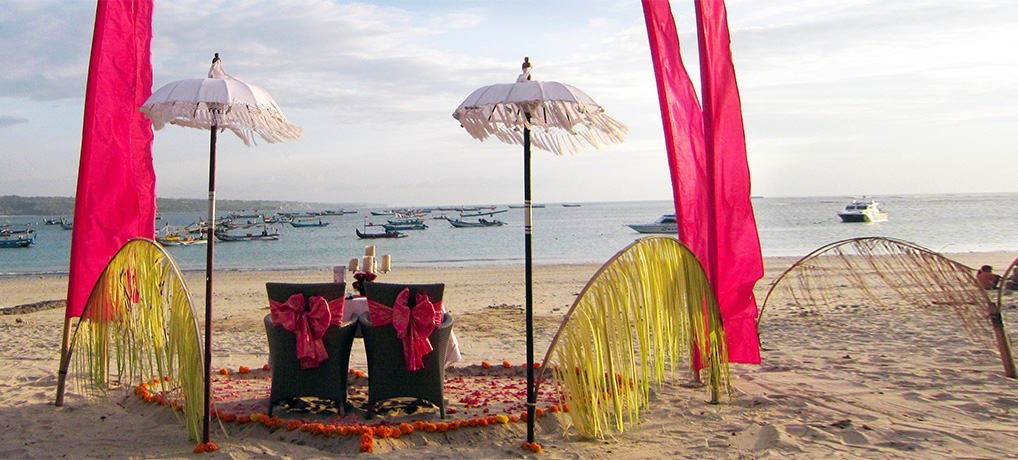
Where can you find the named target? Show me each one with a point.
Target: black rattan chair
(388, 376)
(328, 380)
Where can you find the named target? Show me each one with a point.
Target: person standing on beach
(986, 278)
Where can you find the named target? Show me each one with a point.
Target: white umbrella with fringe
(217, 103)
(550, 116)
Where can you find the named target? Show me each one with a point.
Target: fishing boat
(571, 205)
(267, 234)
(66, 225)
(663, 224)
(14, 238)
(336, 212)
(863, 211)
(405, 226)
(480, 223)
(17, 241)
(53, 221)
(484, 213)
(520, 206)
(381, 213)
(304, 223)
(179, 236)
(386, 234)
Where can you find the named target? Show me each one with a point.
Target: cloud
(6, 121)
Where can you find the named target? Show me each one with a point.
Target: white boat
(663, 224)
(863, 211)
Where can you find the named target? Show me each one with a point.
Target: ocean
(592, 232)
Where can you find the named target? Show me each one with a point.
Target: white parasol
(216, 103)
(554, 117)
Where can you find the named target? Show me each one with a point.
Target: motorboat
(664, 224)
(863, 211)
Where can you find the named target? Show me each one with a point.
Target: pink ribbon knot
(413, 326)
(308, 320)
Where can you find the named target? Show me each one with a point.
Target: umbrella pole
(528, 249)
(211, 235)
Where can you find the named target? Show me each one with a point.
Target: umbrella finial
(216, 71)
(525, 76)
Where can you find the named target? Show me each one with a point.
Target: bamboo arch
(139, 316)
(641, 312)
(920, 277)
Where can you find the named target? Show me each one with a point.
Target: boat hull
(863, 218)
(16, 243)
(655, 228)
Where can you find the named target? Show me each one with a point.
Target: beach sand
(855, 382)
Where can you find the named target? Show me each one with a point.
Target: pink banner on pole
(115, 199)
(707, 157)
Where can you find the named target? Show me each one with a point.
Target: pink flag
(115, 200)
(710, 174)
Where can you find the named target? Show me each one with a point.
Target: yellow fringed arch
(642, 312)
(920, 277)
(139, 326)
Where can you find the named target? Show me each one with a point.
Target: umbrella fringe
(585, 124)
(242, 120)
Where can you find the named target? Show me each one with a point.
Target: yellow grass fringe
(139, 326)
(645, 311)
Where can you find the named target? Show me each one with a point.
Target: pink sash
(308, 320)
(413, 327)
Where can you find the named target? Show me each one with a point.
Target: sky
(840, 97)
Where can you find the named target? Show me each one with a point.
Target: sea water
(590, 233)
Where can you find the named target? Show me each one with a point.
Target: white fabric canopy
(223, 101)
(562, 118)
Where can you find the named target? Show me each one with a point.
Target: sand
(856, 382)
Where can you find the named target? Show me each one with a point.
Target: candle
(368, 264)
(369, 251)
(386, 263)
(352, 264)
(338, 274)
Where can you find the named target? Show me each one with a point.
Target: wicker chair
(388, 376)
(328, 380)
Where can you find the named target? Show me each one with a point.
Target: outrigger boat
(170, 236)
(11, 238)
(304, 223)
(407, 226)
(484, 213)
(387, 234)
(265, 235)
(480, 223)
(520, 206)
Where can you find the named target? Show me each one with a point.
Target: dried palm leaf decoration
(139, 326)
(910, 274)
(642, 313)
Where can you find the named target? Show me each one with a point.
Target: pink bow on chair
(308, 320)
(413, 327)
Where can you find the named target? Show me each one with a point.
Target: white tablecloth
(354, 307)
